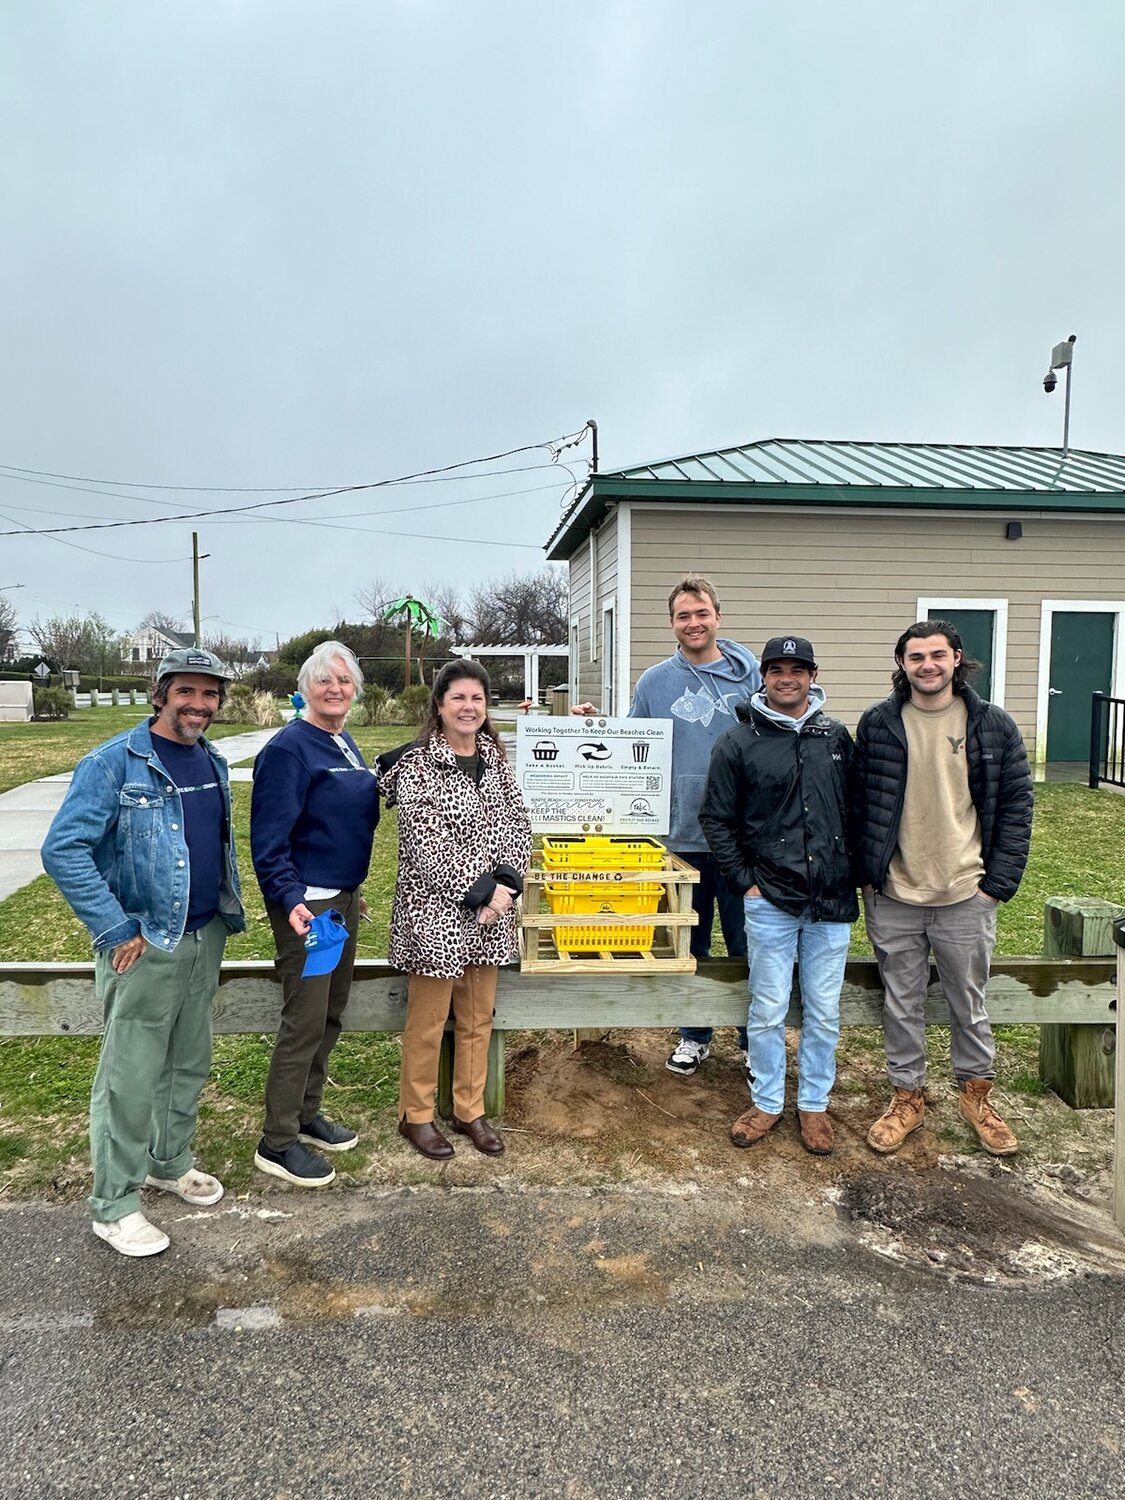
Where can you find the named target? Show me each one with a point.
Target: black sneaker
(296, 1164)
(687, 1057)
(327, 1135)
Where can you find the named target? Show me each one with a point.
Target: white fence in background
(105, 700)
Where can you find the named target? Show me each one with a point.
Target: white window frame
(933, 607)
(594, 621)
(1048, 608)
(608, 635)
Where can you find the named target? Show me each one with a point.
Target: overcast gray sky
(269, 243)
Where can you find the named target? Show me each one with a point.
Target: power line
(553, 446)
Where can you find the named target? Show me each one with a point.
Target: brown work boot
(817, 1134)
(752, 1127)
(905, 1113)
(978, 1109)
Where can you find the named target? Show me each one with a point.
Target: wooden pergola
(530, 654)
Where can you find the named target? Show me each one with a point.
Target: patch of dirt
(938, 1204)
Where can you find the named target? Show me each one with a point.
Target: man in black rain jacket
(775, 816)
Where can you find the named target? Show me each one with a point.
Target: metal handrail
(1107, 741)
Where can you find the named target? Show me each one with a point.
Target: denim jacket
(116, 848)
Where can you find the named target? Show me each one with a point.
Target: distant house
(848, 543)
(145, 647)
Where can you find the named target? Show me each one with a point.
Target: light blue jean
(774, 939)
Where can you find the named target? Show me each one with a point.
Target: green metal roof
(787, 471)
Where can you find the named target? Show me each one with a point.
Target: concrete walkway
(26, 811)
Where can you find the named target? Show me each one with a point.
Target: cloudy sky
(288, 247)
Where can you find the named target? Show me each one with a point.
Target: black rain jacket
(775, 813)
(999, 784)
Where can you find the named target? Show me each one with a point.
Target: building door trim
(1048, 609)
(932, 608)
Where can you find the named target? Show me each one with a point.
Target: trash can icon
(640, 752)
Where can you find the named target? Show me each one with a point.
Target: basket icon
(545, 750)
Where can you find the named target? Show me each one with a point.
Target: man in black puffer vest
(940, 814)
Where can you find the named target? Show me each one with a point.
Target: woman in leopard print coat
(464, 843)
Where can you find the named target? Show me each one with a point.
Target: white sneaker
(687, 1057)
(197, 1188)
(132, 1235)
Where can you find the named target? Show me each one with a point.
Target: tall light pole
(1062, 358)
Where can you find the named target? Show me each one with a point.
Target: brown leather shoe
(905, 1113)
(426, 1139)
(817, 1134)
(978, 1109)
(482, 1135)
(752, 1127)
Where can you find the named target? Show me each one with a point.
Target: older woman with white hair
(312, 821)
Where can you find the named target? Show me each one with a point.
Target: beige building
(848, 543)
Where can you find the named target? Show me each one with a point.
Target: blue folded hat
(324, 942)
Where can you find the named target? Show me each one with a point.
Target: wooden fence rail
(59, 1000)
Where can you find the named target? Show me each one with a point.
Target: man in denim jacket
(143, 850)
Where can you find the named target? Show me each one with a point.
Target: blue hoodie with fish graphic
(700, 701)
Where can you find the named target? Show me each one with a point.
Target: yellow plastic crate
(601, 852)
(640, 899)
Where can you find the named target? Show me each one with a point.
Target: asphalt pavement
(515, 1342)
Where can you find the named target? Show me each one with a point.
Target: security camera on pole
(1062, 358)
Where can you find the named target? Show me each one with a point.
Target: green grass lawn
(28, 751)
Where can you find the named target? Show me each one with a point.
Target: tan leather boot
(752, 1127)
(978, 1109)
(817, 1134)
(905, 1113)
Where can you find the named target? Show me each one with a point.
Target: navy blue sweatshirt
(312, 814)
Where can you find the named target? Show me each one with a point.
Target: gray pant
(961, 939)
(311, 1014)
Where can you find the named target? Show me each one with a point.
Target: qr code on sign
(652, 783)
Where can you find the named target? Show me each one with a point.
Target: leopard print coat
(450, 833)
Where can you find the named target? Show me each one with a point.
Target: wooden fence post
(1077, 1062)
(494, 1085)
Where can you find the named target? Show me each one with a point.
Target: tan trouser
(473, 997)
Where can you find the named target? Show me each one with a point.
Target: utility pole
(195, 582)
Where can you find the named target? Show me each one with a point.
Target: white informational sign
(595, 775)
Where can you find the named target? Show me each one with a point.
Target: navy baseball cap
(324, 942)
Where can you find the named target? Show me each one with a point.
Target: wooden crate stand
(671, 949)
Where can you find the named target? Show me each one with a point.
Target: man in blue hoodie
(775, 815)
(698, 689)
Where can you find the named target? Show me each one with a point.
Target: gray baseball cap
(193, 659)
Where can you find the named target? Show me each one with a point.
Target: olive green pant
(312, 1013)
(154, 1061)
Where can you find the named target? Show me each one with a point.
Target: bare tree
(374, 599)
(238, 654)
(88, 644)
(158, 619)
(447, 604)
(520, 609)
(8, 628)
